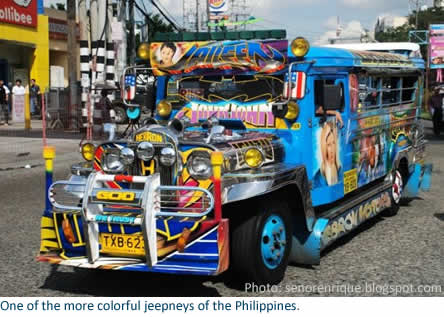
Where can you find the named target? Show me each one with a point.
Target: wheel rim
(397, 187)
(273, 241)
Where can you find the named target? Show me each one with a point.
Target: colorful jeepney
(261, 153)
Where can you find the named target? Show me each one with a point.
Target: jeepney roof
(340, 57)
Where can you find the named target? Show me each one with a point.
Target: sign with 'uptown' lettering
(21, 12)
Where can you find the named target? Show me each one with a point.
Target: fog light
(167, 156)
(88, 151)
(127, 156)
(145, 151)
(293, 111)
(254, 158)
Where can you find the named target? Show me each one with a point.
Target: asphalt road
(402, 255)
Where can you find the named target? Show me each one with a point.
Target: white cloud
(352, 29)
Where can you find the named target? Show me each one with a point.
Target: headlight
(254, 158)
(127, 156)
(145, 151)
(167, 156)
(112, 163)
(293, 111)
(88, 151)
(144, 51)
(300, 47)
(164, 109)
(199, 165)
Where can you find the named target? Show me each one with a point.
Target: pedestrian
(4, 98)
(34, 95)
(435, 105)
(102, 114)
(18, 89)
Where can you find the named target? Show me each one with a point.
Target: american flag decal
(130, 87)
(297, 90)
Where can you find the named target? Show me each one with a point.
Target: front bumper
(162, 224)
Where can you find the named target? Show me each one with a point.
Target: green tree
(401, 34)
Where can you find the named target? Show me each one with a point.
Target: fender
(242, 185)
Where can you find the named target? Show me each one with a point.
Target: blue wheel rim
(273, 241)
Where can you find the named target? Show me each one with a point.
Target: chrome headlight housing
(145, 151)
(167, 156)
(199, 165)
(112, 162)
(127, 156)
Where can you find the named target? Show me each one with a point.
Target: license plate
(123, 244)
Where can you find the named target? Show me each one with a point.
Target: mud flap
(308, 251)
(426, 181)
(419, 179)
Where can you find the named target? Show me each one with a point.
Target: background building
(387, 22)
(24, 42)
(58, 48)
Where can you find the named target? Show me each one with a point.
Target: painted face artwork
(166, 54)
(331, 149)
(329, 173)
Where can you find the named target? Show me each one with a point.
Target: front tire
(261, 243)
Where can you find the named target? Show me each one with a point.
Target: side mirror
(331, 97)
(280, 110)
(129, 88)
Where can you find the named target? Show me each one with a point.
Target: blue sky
(314, 19)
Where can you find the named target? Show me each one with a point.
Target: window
(321, 88)
(387, 91)
(241, 88)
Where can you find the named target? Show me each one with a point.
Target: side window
(375, 92)
(321, 88)
(391, 91)
(409, 88)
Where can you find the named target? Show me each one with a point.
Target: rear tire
(261, 244)
(395, 194)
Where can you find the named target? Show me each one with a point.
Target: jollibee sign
(21, 12)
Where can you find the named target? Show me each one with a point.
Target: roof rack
(219, 36)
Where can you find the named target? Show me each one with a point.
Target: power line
(164, 15)
(146, 15)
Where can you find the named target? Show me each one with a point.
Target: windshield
(224, 88)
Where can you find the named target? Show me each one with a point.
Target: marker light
(143, 51)
(254, 158)
(293, 111)
(88, 151)
(300, 47)
(164, 109)
(67, 231)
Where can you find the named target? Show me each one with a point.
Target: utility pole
(72, 61)
(197, 15)
(208, 16)
(132, 41)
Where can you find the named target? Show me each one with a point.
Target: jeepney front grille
(166, 172)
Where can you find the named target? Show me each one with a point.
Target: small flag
(298, 81)
(130, 87)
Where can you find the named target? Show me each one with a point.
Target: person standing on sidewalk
(4, 107)
(34, 95)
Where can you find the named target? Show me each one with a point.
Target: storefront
(24, 42)
(58, 48)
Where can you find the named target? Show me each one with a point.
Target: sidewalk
(20, 148)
